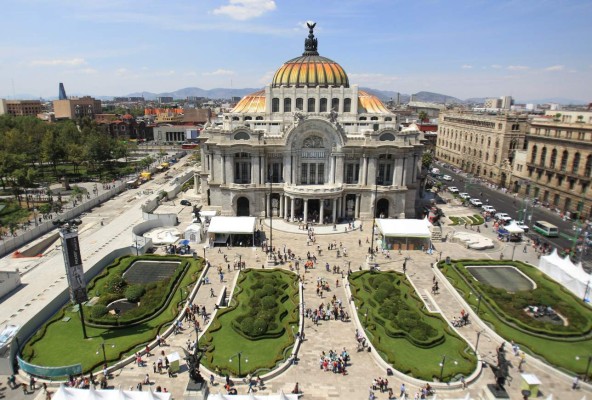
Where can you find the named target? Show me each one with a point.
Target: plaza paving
(123, 213)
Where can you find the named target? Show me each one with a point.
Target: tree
(423, 116)
(52, 149)
(426, 160)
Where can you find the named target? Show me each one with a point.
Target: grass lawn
(558, 346)
(404, 332)
(471, 220)
(59, 343)
(236, 329)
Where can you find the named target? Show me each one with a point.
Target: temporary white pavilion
(222, 228)
(405, 234)
(571, 276)
(193, 233)
(280, 396)
(66, 393)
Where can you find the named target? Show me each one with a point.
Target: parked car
(522, 226)
(488, 208)
(503, 216)
(464, 196)
(476, 202)
(447, 177)
(185, 202)
(453, 189)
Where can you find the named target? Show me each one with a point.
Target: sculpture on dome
(299, 117)
(333, 116)
(310, 43)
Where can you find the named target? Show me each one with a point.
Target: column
(305, 210)
(281, 206)
(398, 172)
(268, 205)
(228, 170)
(286, 169)
(371, 176)
(343, 206)
(292, 209)
(363, 170)
(404, 168)
(332, 170)
(357, 209)
(255, 174)
(321, 211)
(334, 211)
(294, 171)
(339, 169)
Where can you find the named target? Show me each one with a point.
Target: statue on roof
(310, 43)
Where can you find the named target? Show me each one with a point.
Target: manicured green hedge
(562, 349)
(226, 335)
(403, 331)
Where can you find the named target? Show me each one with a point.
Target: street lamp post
(442, 363)
(204, 252)
(239, 354)
(270, 214)
(374, 219)
(587, 367)
(103, 349)
(478, 336)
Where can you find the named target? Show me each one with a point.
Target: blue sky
(473, 48)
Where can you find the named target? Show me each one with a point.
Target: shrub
(134, 293)
(98, 311)
(115, 284)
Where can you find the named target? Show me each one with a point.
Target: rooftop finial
(310, 43)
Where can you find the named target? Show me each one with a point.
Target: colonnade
(286, 207)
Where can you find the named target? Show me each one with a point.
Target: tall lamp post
(442, 363)
(587, 367)
(374, 211)
(239, 354)
(103, 349)
(270, 179)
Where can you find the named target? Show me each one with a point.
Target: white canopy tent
(66, 393)
(222, 227)
(405, 233)
(280, 396)
(571, 276)
(513, 228)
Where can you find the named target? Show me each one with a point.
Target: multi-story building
(77, 107)
(19, 108)
(165, 99)
(311, 146)
(556, 167)
(481, 144)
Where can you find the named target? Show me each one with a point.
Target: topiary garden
(402, 331)
(563, 345)
(259, 323)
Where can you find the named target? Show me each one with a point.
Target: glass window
(575, 165)
(287, 104)
(347, 105)
(311, 105)
(275, 105)
(335, 104)
(323, 107)
(300, 103)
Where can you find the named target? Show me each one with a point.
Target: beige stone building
(19, 108)
(556, 166)
(481, 144)
(77, 107)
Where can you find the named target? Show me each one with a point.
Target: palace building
(311, 147)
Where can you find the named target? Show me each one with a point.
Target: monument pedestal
(196, 391)
(491, 392)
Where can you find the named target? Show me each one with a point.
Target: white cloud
(466, 66)
(121, 71)
(59, 62)
(219, 72)
(86, 71)
(496, 66)
(518, 67)
(245, 9)
(555, 68)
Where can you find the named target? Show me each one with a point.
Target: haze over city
(526, 49)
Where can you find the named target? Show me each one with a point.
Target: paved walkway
(334, 335)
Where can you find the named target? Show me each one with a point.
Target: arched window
(248, 118)
(275, 105)
(553, 159)
(387, 136)
(241, 136)
(543, 157)
(575, 165)
(374, 119)
(287, 104)
(533, 155)
(235, 118)
(563, 166)
(362, 118)
(258, 118)
(323, 107)
(388, 119)
(311, 105)
(335, 104)
(347, 105)
(300, 103)
(588, 168)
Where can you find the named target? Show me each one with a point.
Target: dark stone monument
(197, 387)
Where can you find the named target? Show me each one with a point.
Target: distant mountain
(476, 100)
(387, 95)
(217, 93)
(558, 100)
(429, 97)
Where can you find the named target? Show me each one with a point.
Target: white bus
(546, 229)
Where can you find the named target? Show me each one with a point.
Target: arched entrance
(382, 208)
(314, 210)
(242, 207)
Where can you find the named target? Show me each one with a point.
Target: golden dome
(310, 69)
(252, 103)
(370, 104)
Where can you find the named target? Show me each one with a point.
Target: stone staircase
(436, 234)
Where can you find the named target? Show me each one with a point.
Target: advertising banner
(73, 264)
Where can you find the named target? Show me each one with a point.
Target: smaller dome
(370, 104)
(251, 103)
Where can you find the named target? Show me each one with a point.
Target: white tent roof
(251, 396)
(232, 225)
(562, 270)
(66, 393)
(512, 227)
(404, 227)
(208, 213)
